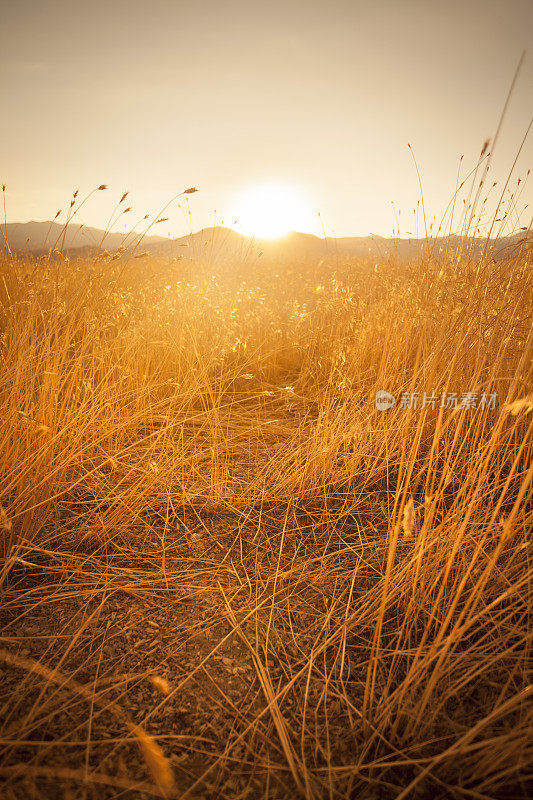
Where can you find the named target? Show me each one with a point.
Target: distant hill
(221, 244)
(38, 236)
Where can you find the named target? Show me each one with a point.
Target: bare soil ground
(215, 667)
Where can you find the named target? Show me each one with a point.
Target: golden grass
(173, 429)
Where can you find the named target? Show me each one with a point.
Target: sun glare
(271, 211)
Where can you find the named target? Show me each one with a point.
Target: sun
(270, 211)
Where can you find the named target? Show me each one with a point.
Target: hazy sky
(153, 97)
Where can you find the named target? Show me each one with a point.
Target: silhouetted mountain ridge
(220, 243)
(38, 236)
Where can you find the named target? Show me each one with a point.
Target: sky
(318, 98)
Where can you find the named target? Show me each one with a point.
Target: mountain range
(220, 243)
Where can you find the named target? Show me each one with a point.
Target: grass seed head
(5, 522)
(155, 759)
(408, 522)
(523, 404)
(161, 684)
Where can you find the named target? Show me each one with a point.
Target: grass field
(225, 573)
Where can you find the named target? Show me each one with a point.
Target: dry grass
(331, 601)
